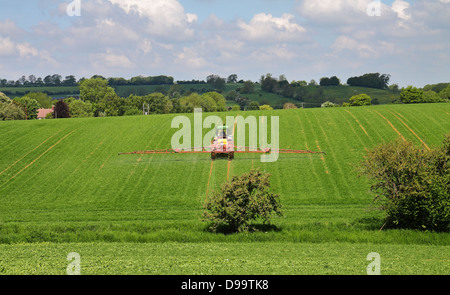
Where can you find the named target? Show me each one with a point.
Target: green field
(63, 188)
(337, 94)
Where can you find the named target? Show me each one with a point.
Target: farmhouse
(42, 113)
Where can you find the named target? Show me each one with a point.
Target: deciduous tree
(61, 110)
(360, 100)
(411, 94)
(244, 199)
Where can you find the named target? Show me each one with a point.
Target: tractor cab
(223, 142)
(222, 135)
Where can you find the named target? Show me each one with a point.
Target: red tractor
(223, 143)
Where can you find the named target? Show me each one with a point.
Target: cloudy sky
(190, 39)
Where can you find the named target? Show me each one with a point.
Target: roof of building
(42, 113)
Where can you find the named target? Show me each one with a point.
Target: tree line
(57, 80)
(98, 97)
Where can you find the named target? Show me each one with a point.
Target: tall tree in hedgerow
(61, 110)
(412, 184)
(244, 199)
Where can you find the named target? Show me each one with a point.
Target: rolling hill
(62, 183)
(336, 94)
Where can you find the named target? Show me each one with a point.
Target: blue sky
(190, 39)
(237, 9)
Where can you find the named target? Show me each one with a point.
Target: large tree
(29, 106)
(61, 110)
(411, 94)
(333, 81)
(216, 82)
(373, 80)
(95, 90)
(80, 109)
(233, 78)
(44, 100)
(269, 84)
(445, 93)
(248, 88)
(10, 110)
(219, 100)
(70, 81)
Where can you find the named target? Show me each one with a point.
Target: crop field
(64, 188)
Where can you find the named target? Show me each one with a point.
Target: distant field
(52, 91)
(343, 93)
(338, 94)
(64, 188)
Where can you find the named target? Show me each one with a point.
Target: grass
(63, 188)
(258, 258)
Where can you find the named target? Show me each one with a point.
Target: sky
(191, 39)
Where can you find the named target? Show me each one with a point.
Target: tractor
(222, 143)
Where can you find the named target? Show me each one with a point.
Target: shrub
(132, 112)
(411, 94)
(413, 184)
(289, 105)
(243, 199)
(360, 100)
(11, 111)
(328, 104)
(235, 108)
(253, 106)
(266, 107)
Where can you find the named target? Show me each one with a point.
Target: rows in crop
(83, 180)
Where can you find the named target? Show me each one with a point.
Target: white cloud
(334, 11)
(400, 7)
(26, 50)
(267, 28)
(20, 49)
(191, 57)
(274, 53)
(109, 59)
(318, 38)
(7, 47)
(165, 16)
(363, 50)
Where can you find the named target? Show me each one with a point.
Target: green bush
(412, 184)
(328, 104)
(360, 100)
(411, 94)
(243, 199)
(132, 112)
